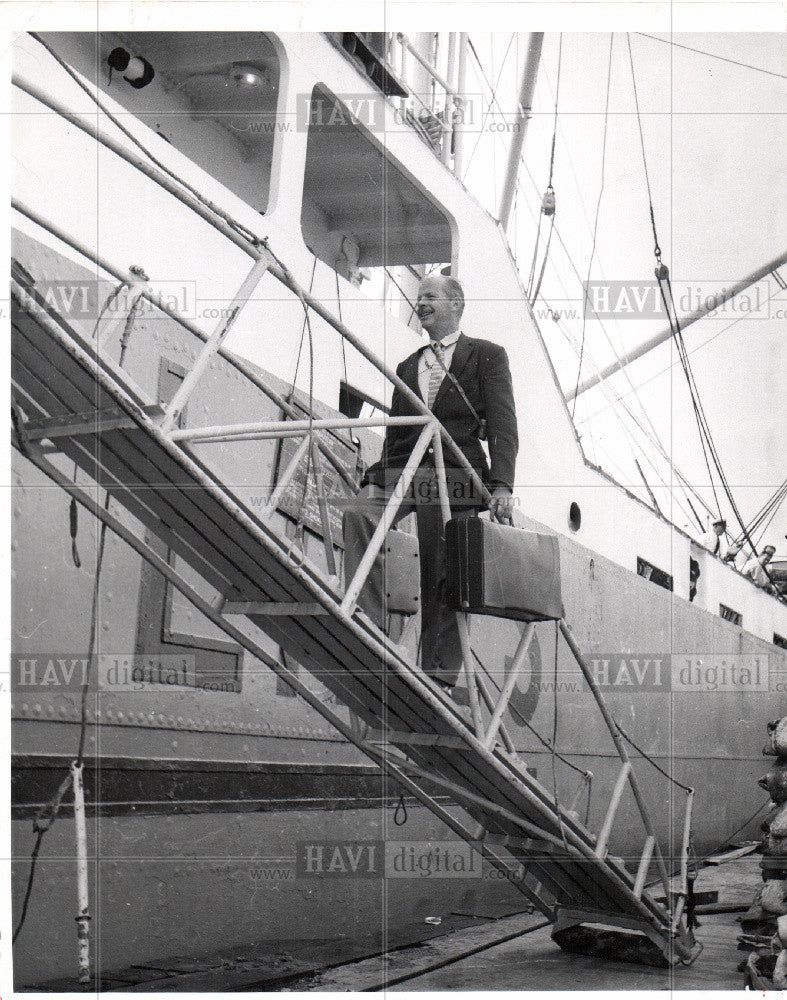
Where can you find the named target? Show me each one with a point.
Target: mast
(647, 345)
(526, 90)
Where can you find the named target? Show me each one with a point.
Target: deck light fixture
(136, 70)
(248, 77)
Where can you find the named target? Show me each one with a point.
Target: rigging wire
(493, 93)
(656, 247)
(520, 187)
(404, 295)
(652, 434)
(595, 221)
(669, 367)
(303, 334)
(636, 445)
(770, 518)
(667, 298)
(29, 888)
(712, 55)
(666, 291)
(604, 330)
(662, 274)
(762, 512)
(654, 439)
(650, 760)
(557, 98)
(310, 413)
(607, 388)
(548, 204)
(341, 320)
(615, 399)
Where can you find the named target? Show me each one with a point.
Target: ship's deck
(513, 952)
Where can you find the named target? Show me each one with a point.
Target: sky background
(714, 142)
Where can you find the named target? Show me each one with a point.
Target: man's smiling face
(438, 314)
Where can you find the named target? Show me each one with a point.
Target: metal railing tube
(459, 128)
(437, 77)
(354, 587)
(293, 427)
(522, 650)
(284, 481)
(461, 618)
(620, 747)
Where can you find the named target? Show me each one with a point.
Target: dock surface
(470, 960)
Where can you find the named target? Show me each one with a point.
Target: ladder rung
(644, 864)
(569, 916)
(417, 739)
(609, 819)
(281, 608)
(87, 422)
(523, 843)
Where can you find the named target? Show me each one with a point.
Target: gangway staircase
(70, 399)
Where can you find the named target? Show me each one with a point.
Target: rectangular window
(353, 401)
(729, 615)
(779, 640)
(654, 574)
(168, 623)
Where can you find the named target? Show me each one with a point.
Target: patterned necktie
(436, 373)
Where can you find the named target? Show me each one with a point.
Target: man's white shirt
(427, 360)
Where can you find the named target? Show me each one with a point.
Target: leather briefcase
(494, 569)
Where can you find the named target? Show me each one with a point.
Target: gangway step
(276, 608)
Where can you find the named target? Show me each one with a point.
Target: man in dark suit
(483, 401)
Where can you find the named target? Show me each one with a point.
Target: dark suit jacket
(481, 368)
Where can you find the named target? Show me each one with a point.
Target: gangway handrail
(224, 224)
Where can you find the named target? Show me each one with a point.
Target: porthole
(574, 517)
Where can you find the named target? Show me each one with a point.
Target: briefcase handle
(509, 521)
(505, 519)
